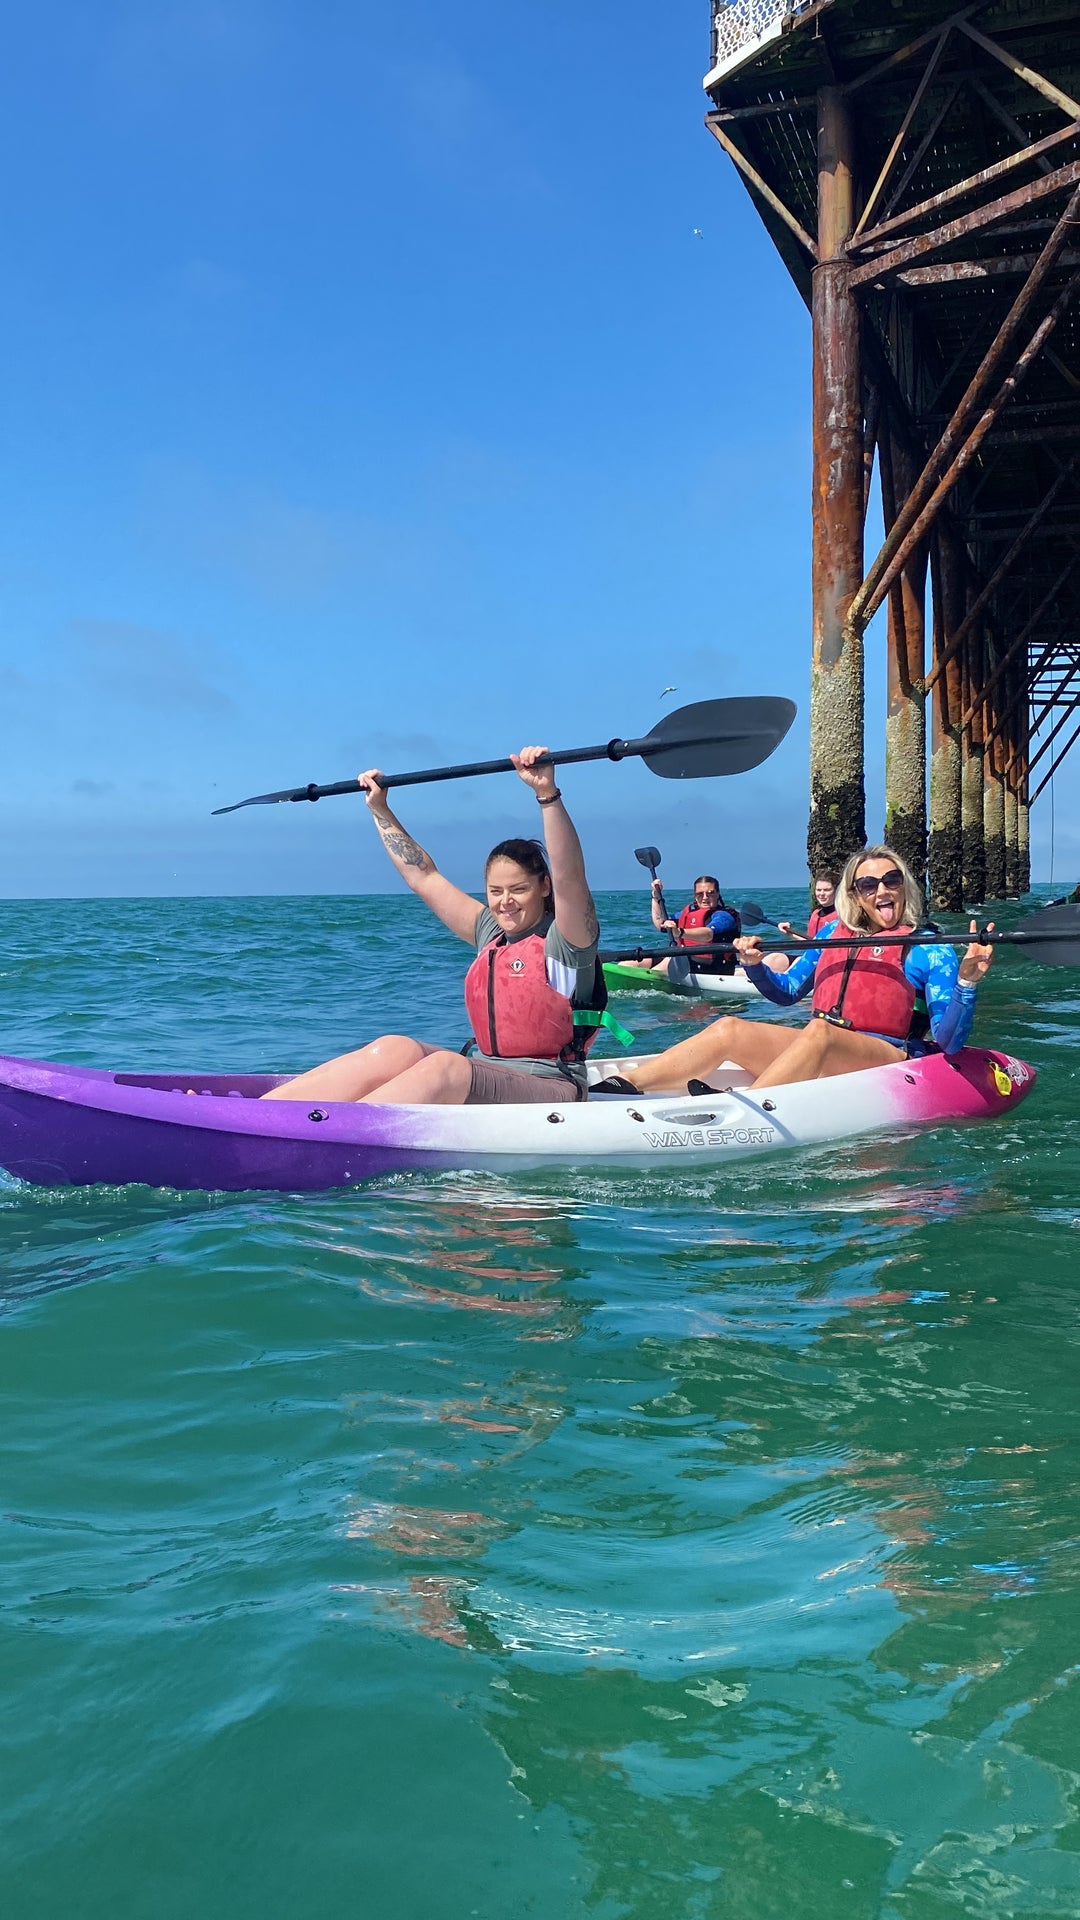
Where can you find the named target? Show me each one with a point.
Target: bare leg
(441, 1079)
(352, 1076)
(752, 1044)
(821, 1050)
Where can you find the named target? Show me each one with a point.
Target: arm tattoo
(592, 925)
(398, 842)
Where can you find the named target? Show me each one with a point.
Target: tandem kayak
(715, 986)
(78, 1126)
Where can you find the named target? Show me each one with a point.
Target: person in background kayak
(822, 906)
(708, 918)
(534, 994)
(866, 1010)
(823, 911)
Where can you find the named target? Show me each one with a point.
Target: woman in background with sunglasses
(872, 1006)
(708, 918)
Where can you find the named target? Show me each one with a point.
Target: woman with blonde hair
(872, 1005)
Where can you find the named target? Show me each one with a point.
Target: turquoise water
(567, 1545)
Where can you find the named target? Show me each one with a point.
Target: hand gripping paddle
(699, 742)
(649, 857)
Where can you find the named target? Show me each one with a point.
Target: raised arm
(949, 989)
(661, 924)
(575, 914)
(456, 910)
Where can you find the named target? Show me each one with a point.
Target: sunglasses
(869, 883)
(710, 893)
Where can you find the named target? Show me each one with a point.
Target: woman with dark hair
(824, 912)
(534, 994)
(823, 908)
(708, 918)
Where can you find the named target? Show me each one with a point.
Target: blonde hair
(849, 905)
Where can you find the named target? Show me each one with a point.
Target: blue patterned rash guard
(933, 972)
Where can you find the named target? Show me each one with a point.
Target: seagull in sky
(669, 690)
(698, 235)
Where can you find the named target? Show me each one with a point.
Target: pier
(918, 169)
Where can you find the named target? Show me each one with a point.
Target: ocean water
(570, 1545)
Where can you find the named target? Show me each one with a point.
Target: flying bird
(669, 690)
(698, 235)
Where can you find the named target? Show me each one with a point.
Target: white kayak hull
(63, 1126)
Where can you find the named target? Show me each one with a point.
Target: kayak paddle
(698, 742)
(754, 916)
(1051, 936)
(650, 857)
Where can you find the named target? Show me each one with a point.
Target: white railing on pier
(741, 27)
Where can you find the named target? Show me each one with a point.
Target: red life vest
(820, 917)
(693, 925)
(514, 1011)
(695, 931)
(864, 988)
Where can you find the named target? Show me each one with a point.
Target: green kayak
(717, 986)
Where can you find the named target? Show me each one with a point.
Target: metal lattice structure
(919, 170)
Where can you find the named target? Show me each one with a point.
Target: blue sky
(370, 397)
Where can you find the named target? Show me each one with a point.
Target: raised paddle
(1051, 936)
(650, 857)
(679, 963)
(699, 742)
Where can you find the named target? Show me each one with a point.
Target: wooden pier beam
(837, 824)
(905, 718)
(945, 848)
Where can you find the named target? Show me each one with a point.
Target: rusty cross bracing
(918, 168)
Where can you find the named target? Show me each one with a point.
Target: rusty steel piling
(945, 842)
(837, 804)
(973, 851)
(905, 719)
(915, 175)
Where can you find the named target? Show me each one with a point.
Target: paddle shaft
(1013, 938)
(564, 757)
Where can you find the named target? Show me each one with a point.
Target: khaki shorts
(494, 1085)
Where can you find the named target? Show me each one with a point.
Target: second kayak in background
(718, 986)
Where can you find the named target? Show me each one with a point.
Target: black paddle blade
(647, 857)
(752, 915)
(714, 737)
(264, 800)
(1052, 935)
(310, 792)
